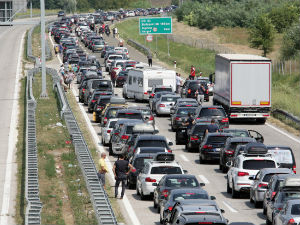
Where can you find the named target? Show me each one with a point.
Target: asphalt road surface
(237, 211)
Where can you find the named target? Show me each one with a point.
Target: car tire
(224, 169)
(201, 160)
(264, 210)
(137, 190)
(251, 198)
(234, 193)
(158, 209)
(261, 121)
(90, 111)
(154, 204)
(256, 204)
(228, 188)
(161, 221)
(220, 167)
(268, 222)
(143, 197)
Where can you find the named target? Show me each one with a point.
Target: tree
(291, 42)
(262, 34)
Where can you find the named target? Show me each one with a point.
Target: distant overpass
(9, 8)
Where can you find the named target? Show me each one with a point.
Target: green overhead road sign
(155, 25)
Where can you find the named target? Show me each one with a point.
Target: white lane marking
(125, 201)
(184, 158)
(12, 140)
(204, 179)
(229, 207)
(284, 133)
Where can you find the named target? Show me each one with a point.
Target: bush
(291, 42)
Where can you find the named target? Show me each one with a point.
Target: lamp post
(43, 59)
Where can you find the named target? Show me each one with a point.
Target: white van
(140, 81)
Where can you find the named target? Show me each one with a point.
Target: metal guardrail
(146, 50)
(34, 205)
(99, 198)
(289, 116)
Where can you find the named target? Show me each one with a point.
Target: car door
(183, 90)
(142, 176)
(231, 171)
(157, 191)
(255, 183)
(256, 135)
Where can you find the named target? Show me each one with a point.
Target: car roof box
(164, 157)
(293, 181)
(254, 148)
(143, 128)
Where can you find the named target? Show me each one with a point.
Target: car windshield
(166, 170)
(212, 112)
(130, 115)
(189, 195)
(163, 89)
(112, 124)
(139, 163)
(104, 100)
(169, 99)
(282, 156)
(295, 210)
(258, 164)
(185, 111)
(217, 140)
(152, 143)
(101, 84)
(182, 182)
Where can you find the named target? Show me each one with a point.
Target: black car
(61, 14)
(99, 106)
(227, 152)
(138, 162)
(215, 112)
(180, 115)
(195, 136)
(130, 114)
(94, 98)
(121, 78)
(211, 146)
(190, 87)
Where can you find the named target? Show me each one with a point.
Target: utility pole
(30, 9)
(44, 84)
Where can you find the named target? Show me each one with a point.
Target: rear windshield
(199, 129)
(152, 143)
(217, 140)
(152, 150)
(139, 163)
(189, 195)
(212, 112)
(101, 84)
(130, 115)
(104, 100)
(185, 111)
(166, 170)
(182, 182)
(145, 112)
(163, 89)
(169, 99)
(112, 113)
(112, 124)
(195, 85)
(290, 195)
(295, 209)
(115, 57)
(267, 177)
(99, 43)
(258, 164)
(282, 156)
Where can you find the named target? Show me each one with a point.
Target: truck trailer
(243, 86)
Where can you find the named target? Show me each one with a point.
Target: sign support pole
(43, 44)
(156, 42)
(168, 44)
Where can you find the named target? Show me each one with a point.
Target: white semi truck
(243, 86)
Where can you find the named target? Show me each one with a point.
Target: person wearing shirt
(178, 82)
(102, 168)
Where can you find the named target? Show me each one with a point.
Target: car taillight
(165, 193)
(116, 68)
(189, 91)
(294, 169)
(225, 120)
(152, 94)
(194, 138)
(148, 179)
(145, 93)
(279, 208)
(229, 152)
(170, 208)
(207, 146)
(273, 194)
(116, 133)
(169, 150)
(105, 120)
(124, 137)
(151, 118)
(178, 118)
(241, 174)
(262, 185)
(83, 90)
(93, 101)
(133, 170)
(206, 91)
(291, 221)
(108, 131)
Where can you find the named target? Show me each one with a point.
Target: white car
(247, 165)
(122, 50)
(131, 13)
(152, 173)
(106, 131)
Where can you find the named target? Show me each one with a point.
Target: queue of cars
(265, 172)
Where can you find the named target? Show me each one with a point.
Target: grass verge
(89, 140)
(35, 13)
(202, 59)
(62, 187)
(36, 42)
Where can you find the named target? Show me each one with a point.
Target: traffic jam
(190, 164)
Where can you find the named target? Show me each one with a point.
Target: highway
(237, 211)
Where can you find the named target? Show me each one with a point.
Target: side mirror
(229, 164)
(154, 184)
(251, 178)
(222, 211)
(202, 184)
(185, 171)
(170, 143)
(213, 198)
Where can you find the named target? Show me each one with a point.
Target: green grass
(36, 12)
(202, 59)
(235, 35)
(62, 187)
(36, 42)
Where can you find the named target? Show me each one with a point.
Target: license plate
(250, 115)
(183, 131)
(217, 149)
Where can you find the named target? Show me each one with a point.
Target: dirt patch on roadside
(284, 126)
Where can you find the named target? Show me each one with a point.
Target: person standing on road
(102, 168)
(121, 169)
(212, 127)
(193, 73)
(149, 57)
(178, 83)
(190, 122)
(200, 94)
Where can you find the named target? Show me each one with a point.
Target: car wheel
(154, 203)
(158, 209)
(143, 197)
(256, 203)
(137, 190)
(224, 169)
(268, 222)
(251, 198)
(110, 150)
(234, 193)
(161, 221)
(261, 120)
(228, 188)
(90, 111)
(201, 161)
(220, 167)
(264, 211)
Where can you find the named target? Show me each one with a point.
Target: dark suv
(191, 86)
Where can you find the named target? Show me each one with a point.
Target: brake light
(188, 105)
(294, 169)
(145, 93)
(152, 94)
(83, 90)
(148, 179)
(233, 115)
(162, 105)
(206, 91)
(194, 138)
(178, 118)
(133, 170)
(151, 118)
(241, 174)
(291, 221)
(116, 133)
(229, 152)
(279, 208)
(124, 137)
(208, 146)
(170, 208)
(273, 194)
(262, 185)
(93, 101)
(116, 68)
(225, 120)
(108, 131)
(169, 150)
(105, 120)
(189, 91)
(165, 193)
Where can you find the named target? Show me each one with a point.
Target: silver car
(260, 183)
(290, 213)
(164, 104)
(106, 131)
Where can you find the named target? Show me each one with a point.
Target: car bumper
(259, 195)
(163, 110)
(148, 189)
(242, 187)
(211, 155)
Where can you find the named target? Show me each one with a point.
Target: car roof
(197, 202)
(275, 170)
(123, 121)
(188, 190)
(180, 175)
(219, 134)
(129, 111)
(242, 139)
(234, 129)
(151, 137)
(143, 155)
(211, 106)
(149, 148)
(293, 201)
(167, 95)
(283, 176)
(281, 147)
(139, 107)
